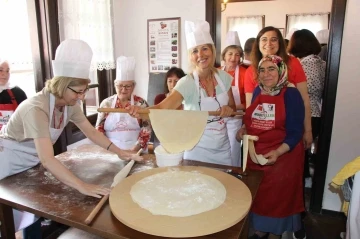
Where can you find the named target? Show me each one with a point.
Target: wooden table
(38, 192)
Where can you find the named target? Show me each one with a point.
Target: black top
(19, 94)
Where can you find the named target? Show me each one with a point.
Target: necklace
(60, 121)
(203, 85)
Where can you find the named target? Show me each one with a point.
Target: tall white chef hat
(290, 33)
(232, 38)
(125, 69)
(72, 59)
(197, 33)
(323, 36)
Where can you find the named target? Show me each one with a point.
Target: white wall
(345, 139)
(130, 30)
(274, 11)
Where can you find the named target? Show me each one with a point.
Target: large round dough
(178, 193)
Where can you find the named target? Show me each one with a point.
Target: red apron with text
(281, 191)
(6, 110)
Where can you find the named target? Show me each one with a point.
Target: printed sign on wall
(163, 44)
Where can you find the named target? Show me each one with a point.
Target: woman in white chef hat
(232, 56)
(123, 130)
(207, 89)
(37, 123)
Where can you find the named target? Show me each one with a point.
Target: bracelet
(109, 146)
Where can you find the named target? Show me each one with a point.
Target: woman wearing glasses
(269, 41)
(37, 123)
(207, 89)
(276, 116)
(123, 130)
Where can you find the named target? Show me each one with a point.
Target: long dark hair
(178, 72)
(256, 55)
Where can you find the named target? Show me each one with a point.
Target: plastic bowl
(165, 159)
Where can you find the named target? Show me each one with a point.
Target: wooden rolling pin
(146, 111)
(118, 177)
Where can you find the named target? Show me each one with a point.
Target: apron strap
(13, 99)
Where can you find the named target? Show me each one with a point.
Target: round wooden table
(236, 206)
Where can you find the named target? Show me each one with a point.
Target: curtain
(15, 45)
(92, 22)
(312, 21)
(246, 26)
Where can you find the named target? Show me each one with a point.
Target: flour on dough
(178, 193)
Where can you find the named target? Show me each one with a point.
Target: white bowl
(165, 159)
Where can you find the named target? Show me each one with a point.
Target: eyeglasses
(126, 87)
(216, 118)
(270, 70)
(80, 93)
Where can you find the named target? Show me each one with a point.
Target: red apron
(281, 191)
(6, 110)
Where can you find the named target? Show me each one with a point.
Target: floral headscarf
(283, 74)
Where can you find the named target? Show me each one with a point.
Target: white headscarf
(7, 85)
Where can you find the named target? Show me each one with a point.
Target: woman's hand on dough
(133, 111)
(271, 156)
(130, 155)
(93, 190)
(226, 111)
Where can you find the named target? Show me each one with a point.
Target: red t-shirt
(296, 75)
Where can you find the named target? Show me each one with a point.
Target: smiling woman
(123, 130)
(206, 89)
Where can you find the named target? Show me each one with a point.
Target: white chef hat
(232, 38)
(197, 33)
(72, 59)
(323, 36)
(290, 33)
(125, 69)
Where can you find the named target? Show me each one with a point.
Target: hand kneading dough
(178, 193)
(248, 147)
(178, 130)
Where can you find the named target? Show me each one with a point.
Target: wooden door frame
(213, 16)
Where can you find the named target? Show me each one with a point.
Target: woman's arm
(145, 124)
(302, 87)
(100, 122)
(294, 124)
(101, 140)
(45, 152)
(231, 103)
(173, 101)
(248, 97)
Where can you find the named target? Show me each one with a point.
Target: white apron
(16, 157)
(234, 124)
(214, 146)
(122, 129)
(6, 110)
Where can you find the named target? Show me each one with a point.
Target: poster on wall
(163, 44)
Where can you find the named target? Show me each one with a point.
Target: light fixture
(223, 5)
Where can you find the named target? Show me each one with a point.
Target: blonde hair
(212, 67)
(233, 47)
(59, 84)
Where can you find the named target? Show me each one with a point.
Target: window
(246, 26)
(90, 21)
(311, 21)
(15, 45)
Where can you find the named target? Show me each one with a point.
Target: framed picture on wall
(163, 44)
